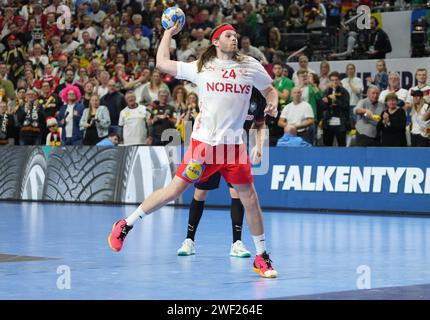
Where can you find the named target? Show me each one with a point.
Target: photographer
(95, 122)
(336, 117)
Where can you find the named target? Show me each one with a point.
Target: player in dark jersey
(254, 120)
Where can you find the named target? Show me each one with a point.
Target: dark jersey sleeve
(257, 104)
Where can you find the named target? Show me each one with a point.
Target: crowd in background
(82, 72)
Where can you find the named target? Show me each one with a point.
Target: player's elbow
(160, 65)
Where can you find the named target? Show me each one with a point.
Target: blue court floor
(314, 253)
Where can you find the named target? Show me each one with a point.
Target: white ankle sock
(138, 213)
(260, 243)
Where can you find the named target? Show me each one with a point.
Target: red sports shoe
(117, 236)
(263, 266)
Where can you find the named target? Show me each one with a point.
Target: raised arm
(164, 64)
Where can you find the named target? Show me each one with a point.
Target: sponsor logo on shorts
(193, 171)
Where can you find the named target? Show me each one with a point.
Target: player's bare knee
(200, 195)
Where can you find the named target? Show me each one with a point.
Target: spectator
(290, 138)
(315, 15)
(334, 11)
(184, 50)
(421, 77)
(368, 112)
(353, 85)
(137, 24)
(87, 22)
(179, 98)
(351, 41)
(381, 76)
(242, 27)
(151, 91)
(216, 16)
(95, 122)
(273, 12)
(379, 43)
(69, 44)
(394, 87)
(314, 94)
(304, 65)
(187, 115)
(32, 120)
(299, 114)
(38, 59)
(5, 83)
(60, 70)
(202, 23)
(336, 120)
(70, 115)
(88, 92)
(69, 80)
(323, 77)
(97, 15)
(115, 102)
(201, 42)
(132, 119)
(137, 41)
(102, 84)
(7, 125)
(111, 141)
(282, 84)
(273, 43)
(49, 102)
(55, 137)
(420, 120)
(393, 123)
(162, 118)
(248, 49)
(294, 21)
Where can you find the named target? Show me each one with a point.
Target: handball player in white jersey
(224, 79)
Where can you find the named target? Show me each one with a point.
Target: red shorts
(203, 160)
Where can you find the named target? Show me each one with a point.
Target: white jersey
(401, 93)
(133, 122)
(224, 90)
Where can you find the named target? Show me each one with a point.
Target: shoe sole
(109, 237)
(183, 254)
(240, 256)
(262, 274)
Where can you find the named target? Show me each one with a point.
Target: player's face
(227, 41)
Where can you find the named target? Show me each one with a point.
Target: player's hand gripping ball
(171, 16)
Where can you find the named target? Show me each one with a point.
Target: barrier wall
(84, 174)
(360, 179)
(375, 179)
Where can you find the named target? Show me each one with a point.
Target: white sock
(131, 219)
(260, 243)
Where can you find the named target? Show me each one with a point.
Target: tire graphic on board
(121, 174)
(22, 172)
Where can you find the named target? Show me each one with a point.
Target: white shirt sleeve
(308, 111)
(187, 71)
(284, 112)
(262, 80)
(121, 119)
(409, 98)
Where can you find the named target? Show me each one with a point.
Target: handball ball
(171, 15)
